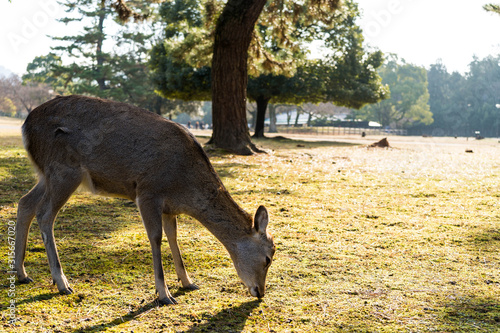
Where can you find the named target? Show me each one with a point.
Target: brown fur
(120, 150)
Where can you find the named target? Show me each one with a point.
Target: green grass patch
(368, 240)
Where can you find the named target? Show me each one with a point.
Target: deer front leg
(152, 219)
(170, 228)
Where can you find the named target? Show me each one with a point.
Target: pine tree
(97, 70)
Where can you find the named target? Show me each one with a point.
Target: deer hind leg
(170, 228)
(26, 211)
(152, 218)
(59, 187)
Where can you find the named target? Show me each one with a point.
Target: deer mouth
(256, 292)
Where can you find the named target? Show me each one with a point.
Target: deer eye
(268, 261)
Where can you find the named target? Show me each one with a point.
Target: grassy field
(404, 239)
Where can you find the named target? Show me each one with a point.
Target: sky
(419, 31)
(424, 31)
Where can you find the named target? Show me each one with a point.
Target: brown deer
(121, 150)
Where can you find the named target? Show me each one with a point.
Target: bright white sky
(423, 31)
(420, 31)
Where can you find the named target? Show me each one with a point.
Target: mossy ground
(368, 240)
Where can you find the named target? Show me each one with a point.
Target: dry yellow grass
(368, 240)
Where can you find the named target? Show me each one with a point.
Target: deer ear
(61, 130)
(261, 219)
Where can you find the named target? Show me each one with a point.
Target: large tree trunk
(262, 103)
(233, 34)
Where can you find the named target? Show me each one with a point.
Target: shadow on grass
(471, 314)
(95, 217)
(121, 319)
(224, 169)
(486, 238)
(231, 319)
(37, 298)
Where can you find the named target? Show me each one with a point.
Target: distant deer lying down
(121, 150)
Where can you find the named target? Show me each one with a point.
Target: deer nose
(255, 291)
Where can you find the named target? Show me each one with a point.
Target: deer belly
(105, 186)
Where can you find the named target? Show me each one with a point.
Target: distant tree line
(408, 103)
(455, 104)
(462, 104)
(436, 102)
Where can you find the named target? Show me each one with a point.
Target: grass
(368, 240)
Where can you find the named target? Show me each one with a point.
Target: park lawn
(404, 239)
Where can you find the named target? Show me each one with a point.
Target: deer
(120, 150)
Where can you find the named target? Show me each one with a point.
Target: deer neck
(225, 220)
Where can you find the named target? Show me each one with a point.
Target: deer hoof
(66, 291)
(26, 280)
(192, 286)
(167, 301)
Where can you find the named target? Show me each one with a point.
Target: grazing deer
(121, 150)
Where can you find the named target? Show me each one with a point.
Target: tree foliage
(283, 30)
(7, 107)
(97, 70)
(481, 95)
(445, 90)
(464, 103)
(409, 100)
(182, 61)
(494, 8)
(42, 70)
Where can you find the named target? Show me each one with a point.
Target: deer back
(121, 149)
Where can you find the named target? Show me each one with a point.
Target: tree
(24, 96)
(262, 89)
(481, 95)
(226, 77)
(97, 72)
(187, 47)
(448, 108)
(233, 34)
(492, 8)
(347, 76)
(464, 103)
(7, 107)
(408, 102)
(41, 70)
